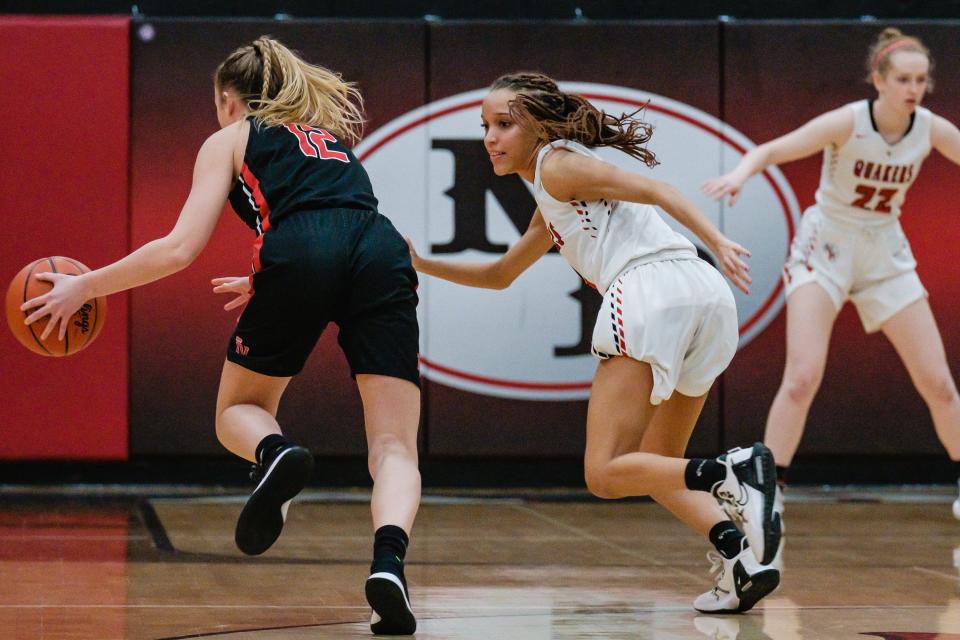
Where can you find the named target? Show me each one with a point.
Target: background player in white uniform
(850, 244)
(668, 313)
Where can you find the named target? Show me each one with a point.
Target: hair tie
(890, 48)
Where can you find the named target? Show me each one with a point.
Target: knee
(222, 421)
(938, 389)
(388, 445)
(600, 483)
(801, 383)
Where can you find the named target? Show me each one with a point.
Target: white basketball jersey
(600, 238)
(865, 180)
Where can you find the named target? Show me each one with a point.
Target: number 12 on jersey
(313, 142)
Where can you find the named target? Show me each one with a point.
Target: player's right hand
(240, 285)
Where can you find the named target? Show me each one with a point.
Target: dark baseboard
(452, 472)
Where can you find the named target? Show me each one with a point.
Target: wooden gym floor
(859, 564)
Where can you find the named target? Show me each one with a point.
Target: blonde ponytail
(281, 88)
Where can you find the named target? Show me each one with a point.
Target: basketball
(83, 326)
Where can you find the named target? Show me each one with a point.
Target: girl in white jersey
(850, 244)
(667, 327)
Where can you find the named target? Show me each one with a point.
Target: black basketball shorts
(345, 266)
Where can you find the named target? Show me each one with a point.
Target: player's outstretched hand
(239, 285)
(730, 255)
(726, 185)
(414, 256)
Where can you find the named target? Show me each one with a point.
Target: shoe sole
(756, 587)
(261, 520)
(386, 597)
(771, 525)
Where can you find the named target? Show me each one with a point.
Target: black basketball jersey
(296, 167)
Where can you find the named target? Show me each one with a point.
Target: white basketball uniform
(851, 242)
(662, 305)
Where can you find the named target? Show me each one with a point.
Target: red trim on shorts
(619, 335)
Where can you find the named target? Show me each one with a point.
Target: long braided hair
(281, 88)
(541, 107)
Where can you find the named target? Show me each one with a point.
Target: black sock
(269, 447)
(702, 473)
(390, 542)
(782, 475)
(727, 539)
(389, 549)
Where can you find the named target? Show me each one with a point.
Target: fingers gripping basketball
(83, 326)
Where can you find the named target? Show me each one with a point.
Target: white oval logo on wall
(433, 179)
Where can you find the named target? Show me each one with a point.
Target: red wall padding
(63, 191)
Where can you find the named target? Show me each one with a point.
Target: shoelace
(716, 566)
(732, 505)
(734, 513)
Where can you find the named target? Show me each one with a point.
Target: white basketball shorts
(872, 266)
(676, 315)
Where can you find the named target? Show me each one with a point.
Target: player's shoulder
(845, 114)
(565, 155)
(565, 164)
(837, 125)
(228, 142)
(230, 134)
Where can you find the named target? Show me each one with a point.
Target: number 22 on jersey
(880, 204)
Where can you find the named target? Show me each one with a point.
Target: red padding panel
(63, 191)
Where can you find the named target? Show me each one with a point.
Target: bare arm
(572, 176)
(498, 274)
(945, 138)
(831, 128)
(212, 176)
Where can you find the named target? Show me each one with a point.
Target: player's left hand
(239, 285)
(60, 303)
(729, 253)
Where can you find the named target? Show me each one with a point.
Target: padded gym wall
(64, 192)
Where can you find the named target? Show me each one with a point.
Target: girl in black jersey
(322, 254)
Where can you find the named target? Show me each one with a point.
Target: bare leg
(391, 412)
(914, 334)
(626, 436)
(617, 417)
(810, 317)
(247, 408)
(246, 414)
(668, 435)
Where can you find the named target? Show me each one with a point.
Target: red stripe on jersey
(254, 185)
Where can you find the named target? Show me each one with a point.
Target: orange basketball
(84, 325)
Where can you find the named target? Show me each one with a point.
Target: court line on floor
(606, 543)
(952, 577)
(158, 533)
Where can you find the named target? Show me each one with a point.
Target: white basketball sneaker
(747, 493)
(956, 505)
(777, 561)
(741, 583)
